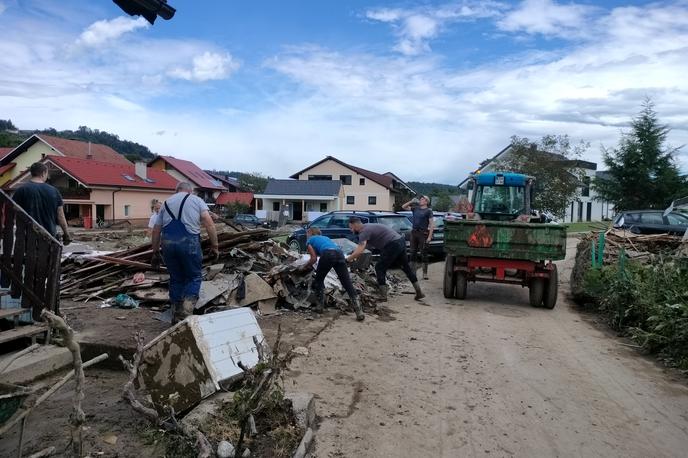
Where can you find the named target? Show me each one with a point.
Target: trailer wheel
(537, 290)
(461, 285)
(449, 277)
(551, 289)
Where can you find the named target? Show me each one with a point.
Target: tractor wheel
(537, 290)
(449, 277)
(551, 289)
(461, 285)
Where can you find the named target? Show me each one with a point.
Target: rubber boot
(425, 271)
(175, 307)
(358, 309)
(419, 294)
(383, 290)
(320, 303)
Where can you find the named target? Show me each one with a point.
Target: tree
(443, 203)
(255, 181)
(552, 161)
(642, 170)
(7, 125)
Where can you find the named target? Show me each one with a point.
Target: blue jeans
(184, 261)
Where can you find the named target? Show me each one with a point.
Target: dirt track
(488, 376)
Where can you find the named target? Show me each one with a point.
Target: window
(372, 200)
(339, 221)
(320, 177)
(345, 179)
(361, 181)
(323, 207)
(398, 223)
(350, 200)
(128, 177)
(321, 222)
(652, 218)
(500, 199)
(585, 192)
(588, 213)
(126, 210)
(275, 206)
(677, 220)
(259, 204)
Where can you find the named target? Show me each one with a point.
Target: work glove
(156, 259)
(66, 239)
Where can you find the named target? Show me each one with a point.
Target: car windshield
(439, 221)
(398, 223)
(500, 199)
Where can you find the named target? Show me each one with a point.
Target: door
(297, 214)
(100, 212)
(588, 213)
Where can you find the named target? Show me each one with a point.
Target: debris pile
(636, 246)
(253, 270)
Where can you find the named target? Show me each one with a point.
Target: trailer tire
(537, 291)
(461, 285)
(551, 289)
(449, 277)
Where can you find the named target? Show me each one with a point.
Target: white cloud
(3, 7)
(546, 17)
(416, 27)
(207, 66)
(102, 32)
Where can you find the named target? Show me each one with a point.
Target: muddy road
(488, 376)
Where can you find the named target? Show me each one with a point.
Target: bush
(647, 301)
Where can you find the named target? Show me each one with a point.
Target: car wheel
(294, 245)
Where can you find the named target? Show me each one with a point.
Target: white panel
(225, 339)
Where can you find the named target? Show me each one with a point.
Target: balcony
(75, 193)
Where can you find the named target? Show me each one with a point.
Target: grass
(280, 238)
(587, 226)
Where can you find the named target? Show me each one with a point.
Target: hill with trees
(10, 136)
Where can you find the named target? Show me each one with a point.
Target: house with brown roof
(39, 146)
(362, 189)
(206, 186)
(96, 192)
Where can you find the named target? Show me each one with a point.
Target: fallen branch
(45, 452)
(128, 390)
(78, 416)
(17, 356)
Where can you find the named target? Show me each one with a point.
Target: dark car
(335, 225)
(651, 222)
(436, 246)
(250, 220)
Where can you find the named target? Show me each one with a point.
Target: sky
(423, 89)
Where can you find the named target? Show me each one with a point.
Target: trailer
(500, 242)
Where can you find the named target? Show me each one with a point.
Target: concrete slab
(42, 362)
(303, 405)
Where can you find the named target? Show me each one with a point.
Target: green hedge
(647, 301)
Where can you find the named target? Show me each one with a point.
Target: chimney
(89, 155)
(140, 168)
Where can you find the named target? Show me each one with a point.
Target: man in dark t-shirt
(42, 202)
(392, 246)
(421, 235)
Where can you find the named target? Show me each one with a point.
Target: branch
(128, 390)
(78, 417)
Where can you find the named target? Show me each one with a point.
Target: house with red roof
(38, 146)
(95, 191)
(206, 186)
(361, 189)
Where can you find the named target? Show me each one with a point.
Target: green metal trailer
(496, 248)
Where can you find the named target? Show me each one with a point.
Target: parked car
(250, 220)
(436, 246)
(336, 225)
(651, 222)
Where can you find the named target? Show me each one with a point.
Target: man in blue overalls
(179, 227)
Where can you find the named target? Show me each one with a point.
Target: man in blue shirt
(331, 256)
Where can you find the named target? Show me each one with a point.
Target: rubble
(252, 271)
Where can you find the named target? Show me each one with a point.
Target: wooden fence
(30, 259)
